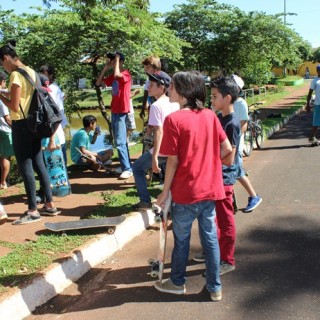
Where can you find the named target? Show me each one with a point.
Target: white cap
(238, 81)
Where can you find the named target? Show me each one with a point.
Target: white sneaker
(126, 174)
(118, 170)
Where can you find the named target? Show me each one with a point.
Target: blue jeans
(139, 168)
(183, 216)
(119, 129)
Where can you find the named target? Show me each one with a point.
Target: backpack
(44, 115)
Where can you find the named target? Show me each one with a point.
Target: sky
(305, 21)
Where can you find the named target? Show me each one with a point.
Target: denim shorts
(316, 116)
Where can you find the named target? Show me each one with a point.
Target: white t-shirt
(240, 107)
(58, 96)
(4, 111)
(315, 86)
(158, 112)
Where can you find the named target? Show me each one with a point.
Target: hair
(153, 62)
(87, 120)
(226, 86)
(165, 89)
(164, 65)
(8, 49)
(191, 86)
(48, 69)
(2, 76)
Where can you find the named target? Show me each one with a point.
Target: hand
(51, 146)
(97, 130)
(142, 114)
(117, 56)
(155, 166)
(161, 199)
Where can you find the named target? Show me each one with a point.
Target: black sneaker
(27, 217)
(142, 205)
(49, 211)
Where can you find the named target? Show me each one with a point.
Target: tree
(316, 55)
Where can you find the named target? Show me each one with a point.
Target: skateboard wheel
(111, 230)
(154, 274)
(157, 219)
(151, 262)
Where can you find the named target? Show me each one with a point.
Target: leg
(245, 182)
(209, 241)
(5, 169)
(139, 168)
(120, 136)
(227, 227)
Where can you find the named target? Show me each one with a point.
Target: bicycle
(254, 131)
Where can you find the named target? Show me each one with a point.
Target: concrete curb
(19, 303)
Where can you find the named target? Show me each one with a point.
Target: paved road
(277, 274)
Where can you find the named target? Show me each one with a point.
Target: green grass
(26, 260)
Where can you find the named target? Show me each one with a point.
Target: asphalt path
(277, 272)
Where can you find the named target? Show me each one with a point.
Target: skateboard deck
(110, 223)
(161, 216)
(56, 168)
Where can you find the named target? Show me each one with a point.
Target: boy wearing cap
(241, 112)
(158, 86)
(120, 81)
(314, 86)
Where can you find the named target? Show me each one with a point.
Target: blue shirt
(80, 139)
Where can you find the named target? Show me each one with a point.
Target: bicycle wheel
(248, 142)
(259, 133)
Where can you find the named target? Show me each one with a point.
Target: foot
(49, 211)
(226, 267)
(126, 174)
(142, 205)
(168, 287)
(118, 170)
(3, 215)
(199, 257)
(107, 162)
(3, 186)
(27, 217)
(253, 202)
(216, 296)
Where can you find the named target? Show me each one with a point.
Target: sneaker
(3, 215)
(199, 257)
(126, 174)
(27, 217)
(107, 163)
(216, 296)
(118, 170)
(168, 287)
(142, 205)
(3, 186)
(253, 202)
(226, 267)
(49, 211)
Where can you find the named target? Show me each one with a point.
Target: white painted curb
(60, 275)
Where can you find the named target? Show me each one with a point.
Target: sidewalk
(86, 188)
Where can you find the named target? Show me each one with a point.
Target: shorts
(6, 147)
(316, 116)
(239, 165)
(130, 121)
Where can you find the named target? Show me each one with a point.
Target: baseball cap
(318, 67)
(112, 55)
(160, 77)
(238, 80)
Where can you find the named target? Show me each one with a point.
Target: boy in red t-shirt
(120, 81)
(196, 146)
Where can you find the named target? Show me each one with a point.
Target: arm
(8, 120)
(243, 126)
(226, 153)
(172, 164)
(308, 99)
(13, 103)
(144, 104)
(117, 73)
(157, 138)
(101, 75)
(94, 138)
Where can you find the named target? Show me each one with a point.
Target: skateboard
(56, 168)
(161, 216)
(110, 223)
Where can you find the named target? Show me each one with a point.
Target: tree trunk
(101, 105)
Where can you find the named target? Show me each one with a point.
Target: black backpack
(44, 115)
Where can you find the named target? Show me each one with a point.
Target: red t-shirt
(120, 102)
(195, 137)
